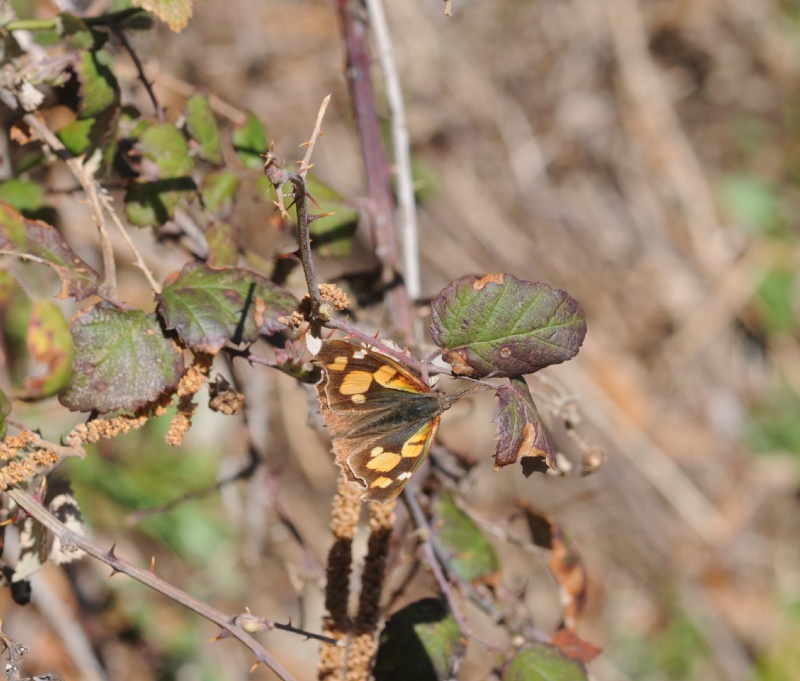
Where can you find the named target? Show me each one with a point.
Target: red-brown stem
(380, 202)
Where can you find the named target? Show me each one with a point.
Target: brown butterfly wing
(382, 418)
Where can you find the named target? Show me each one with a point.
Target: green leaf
(154, 202)
(77, 136)
(99, 88)
(420, 642)
(5, 410)
(332, 236)
(50, 351)
(777, 295)
(250, 142)
(223, 245)
(22, 237)
(164, 144)
(218, 190)
(27, 197)
(122, 361)
(209, 308)
(472, 555)
(505, 326)
(753, 203)
(521, 434)
(202, 126)
(543, 663)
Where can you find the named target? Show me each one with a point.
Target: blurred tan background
(641, 154)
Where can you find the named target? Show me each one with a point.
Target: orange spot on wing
(415, 445)
(355, 382)
(384, 462)
(384, 375)
(381, 482)
(338, 364)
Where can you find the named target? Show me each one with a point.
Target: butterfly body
(382, 417)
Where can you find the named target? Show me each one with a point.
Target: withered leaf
(521, 433)
(22, 237)
(573, 647)
(564, 561)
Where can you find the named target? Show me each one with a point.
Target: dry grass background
(642, 155)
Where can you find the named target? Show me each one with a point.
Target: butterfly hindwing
(382, 417)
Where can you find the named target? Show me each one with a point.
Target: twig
(304, 238)
(435, 556)
(230, 625)
(108, 287)
(305, 164)
(123, 38)
(98, 199)
(400, 144)
(51, 603)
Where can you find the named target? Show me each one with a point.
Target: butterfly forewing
(381, 416)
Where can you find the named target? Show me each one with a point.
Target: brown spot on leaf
(458, 361)
(479, 284)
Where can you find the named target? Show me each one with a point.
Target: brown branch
(379, 202)
(230, 625)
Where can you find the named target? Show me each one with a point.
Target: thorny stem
(123, 38)
(304, 237)
(226, 622)
(422, 368)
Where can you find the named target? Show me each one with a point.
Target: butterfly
(382, 416)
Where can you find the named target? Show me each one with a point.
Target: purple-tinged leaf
(22, 237)
(521, 434)
(504, 326)
(122, 361)
(209, 308)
